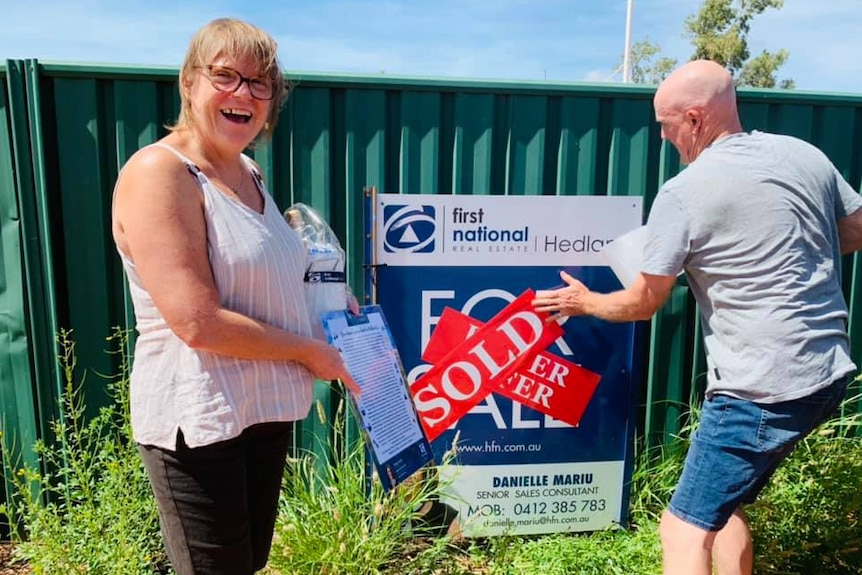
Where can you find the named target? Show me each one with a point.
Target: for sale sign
(545, 444)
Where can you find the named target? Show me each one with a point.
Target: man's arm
(638, 302)
(850, 232)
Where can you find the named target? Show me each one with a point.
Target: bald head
(700, 84)
(698, 98)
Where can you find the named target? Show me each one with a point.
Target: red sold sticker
(479, 364)
(545, 382)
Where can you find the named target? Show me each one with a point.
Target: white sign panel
(453, 230)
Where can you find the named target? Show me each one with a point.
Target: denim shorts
(737, 447)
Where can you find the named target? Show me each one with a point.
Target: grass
(93, 513)
(809, 519)
(335, 520)
(90, 509)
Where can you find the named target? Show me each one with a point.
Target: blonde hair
(235, 39)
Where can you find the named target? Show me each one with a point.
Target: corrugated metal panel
(339, 134)
(668, 381)
(18, 417)
(39, 216)
(30, 395)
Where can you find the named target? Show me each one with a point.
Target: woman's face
(227, 98)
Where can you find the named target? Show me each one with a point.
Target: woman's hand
(325, 363)
(352, 302)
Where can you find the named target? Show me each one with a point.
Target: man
(757, 222)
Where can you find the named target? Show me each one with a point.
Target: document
(384, 407)
(625, 255)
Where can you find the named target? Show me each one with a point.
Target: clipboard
(385, 409)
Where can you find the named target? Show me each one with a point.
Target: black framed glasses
(229, 80)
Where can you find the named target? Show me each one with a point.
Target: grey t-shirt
(752, 222)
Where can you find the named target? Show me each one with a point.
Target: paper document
(384, 407)
(625, 255)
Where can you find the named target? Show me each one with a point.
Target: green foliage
(92, 511)
(654, 478)
(760, 71)
(333, 521)
(647, 64)
(809, 519)
(611, 552)
(719, 32)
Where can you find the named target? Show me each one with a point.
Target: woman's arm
(159, 223)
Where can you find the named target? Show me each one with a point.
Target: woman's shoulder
(158, 176)
(164, 153)
(155, 162)
(254, 167)
(249, 161)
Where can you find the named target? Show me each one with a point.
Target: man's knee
(679, 536)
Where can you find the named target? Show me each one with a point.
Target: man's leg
(686, 549)
(733, 550)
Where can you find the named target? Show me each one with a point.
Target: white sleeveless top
(258, 262)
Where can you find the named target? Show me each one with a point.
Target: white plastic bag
(325, 280)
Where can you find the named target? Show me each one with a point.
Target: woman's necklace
(238, 188)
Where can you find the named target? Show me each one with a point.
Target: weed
(93, 511)
(334, 520)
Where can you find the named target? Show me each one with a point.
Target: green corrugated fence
(65, 131)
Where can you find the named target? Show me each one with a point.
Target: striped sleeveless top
(258, 262)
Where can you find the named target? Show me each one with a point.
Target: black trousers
(218, 503)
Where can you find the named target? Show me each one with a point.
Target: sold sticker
(481, 363)
(544, 382)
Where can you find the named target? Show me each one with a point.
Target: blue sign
(518, 471)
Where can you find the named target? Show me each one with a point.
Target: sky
(554, 40)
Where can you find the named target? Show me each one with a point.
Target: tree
(647, 64)
(719, 32)
(760, 71)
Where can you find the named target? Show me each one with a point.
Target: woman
(225, 359)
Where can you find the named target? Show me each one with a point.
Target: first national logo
(410, 229)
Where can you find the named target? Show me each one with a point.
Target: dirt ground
(6, 565)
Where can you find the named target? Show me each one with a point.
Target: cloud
(600, 76)
(472, 38)
(463, 38)
(97, 31)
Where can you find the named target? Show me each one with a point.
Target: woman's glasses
(229, 80)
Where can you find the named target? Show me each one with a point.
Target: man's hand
(565, 301)
(638, 302)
